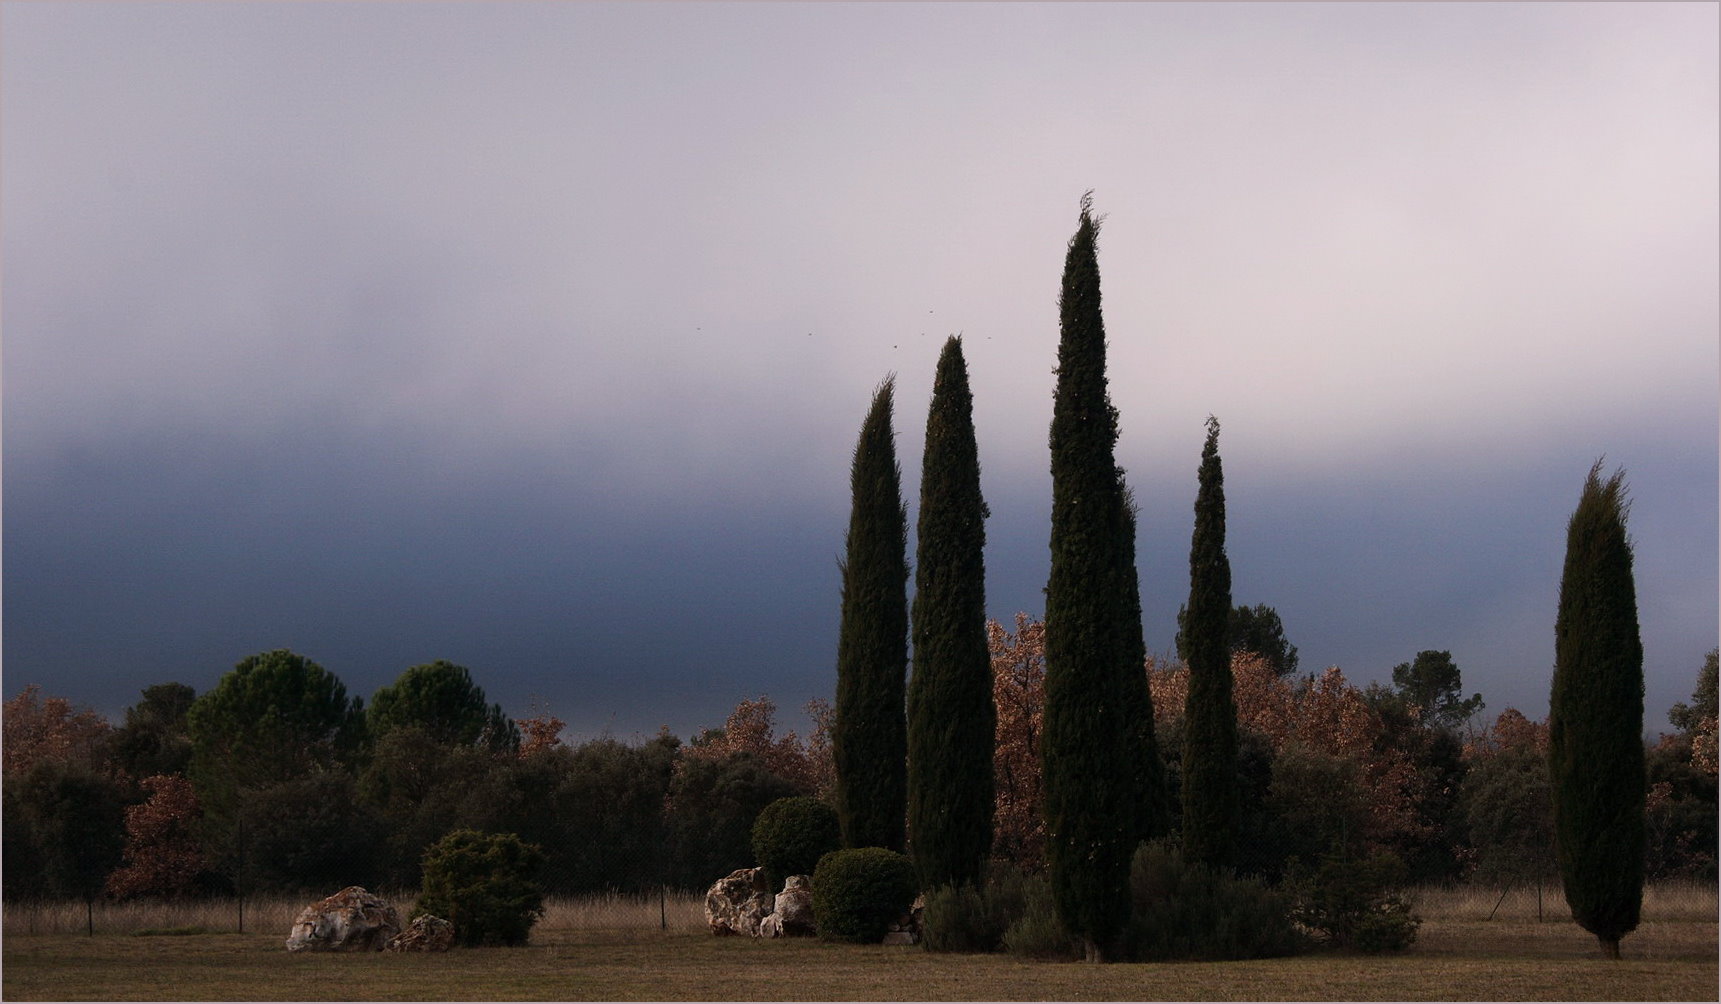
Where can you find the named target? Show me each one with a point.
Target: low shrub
(857, 893)
(1355, 904)
(486, 884)
(963, 918)
(1181, 910)
(792, 834)
(1037, 933)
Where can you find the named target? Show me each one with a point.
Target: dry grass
(1663, 901)
(677, 911)
(614, 949)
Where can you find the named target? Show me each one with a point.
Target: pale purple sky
(536, 337)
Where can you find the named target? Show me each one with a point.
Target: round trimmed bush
(486, 884)
(857, 893)
(792, 834)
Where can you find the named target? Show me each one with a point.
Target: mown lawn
(1456, 958)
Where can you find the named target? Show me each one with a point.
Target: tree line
(95, 809)
(1059, 746)
(1103, 787)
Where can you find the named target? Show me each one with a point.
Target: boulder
(736, 903)
(792, 915)
(425, 934)
(351, 920)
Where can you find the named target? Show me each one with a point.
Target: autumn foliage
(38, 729)
(751, 728)
(162, 855)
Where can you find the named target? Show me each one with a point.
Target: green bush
(961, 918)
(792, 834)
(1181, 910)
(485, 884)
(1037, 933)
(858, 893)
(1355, 903)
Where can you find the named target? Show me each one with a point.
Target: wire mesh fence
(666, 910)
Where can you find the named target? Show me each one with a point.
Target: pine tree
(869, 739)
(951, 719)
(1595, 719)
(1096, 720)
(1210, 808)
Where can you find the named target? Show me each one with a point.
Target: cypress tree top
(869, 737)
(1091, 752)
(1595, 719)
(951, 716)
(1210, 807)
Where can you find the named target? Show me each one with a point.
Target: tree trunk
(1609, 947)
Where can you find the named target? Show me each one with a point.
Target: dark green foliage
(73, 825)
(951, 719)
(441, 699)
(1680, 821)
(1689, 718)
(276, 716)
(1210, 808)
(1432, 685)
(1505, 806)
(1149, 799)
(1038, 933)
(1319, 803)
(486, 885)
(870, 736)
(1431, 849)
(1191, 911)
(1595, 719)
(597, 810)
(153, 739)
(859, 891)
(1254, 629)
(792, 834)
(311, 834)
(1355, 903)
(1096, 720)
(25, 870)
(417, 787)
(966, 918)
(712, 807)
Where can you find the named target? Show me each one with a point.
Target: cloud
(420, 287)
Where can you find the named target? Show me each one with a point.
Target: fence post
(241, 882)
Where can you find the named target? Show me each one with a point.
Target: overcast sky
(537, 337)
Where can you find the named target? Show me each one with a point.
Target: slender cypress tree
(1149, 798)
(951, 719)
(1595, 719)
(1092, 729)
(869, 738)
(1210, 809)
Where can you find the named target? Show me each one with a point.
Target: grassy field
(617, 950)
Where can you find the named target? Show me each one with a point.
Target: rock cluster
(737, 902)
(906, 928)
(425, 934)
(351, 920)
(792, 915)
(741, 903)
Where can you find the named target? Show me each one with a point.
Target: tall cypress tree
(1595, 719)
(1210, 809)
(951, 719)
(1093, 732)
(869, 737)
(1148, 798)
